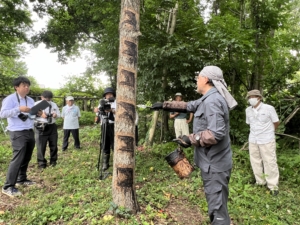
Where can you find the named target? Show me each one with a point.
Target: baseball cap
(69, 98)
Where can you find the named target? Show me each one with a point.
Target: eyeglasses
(197, 75)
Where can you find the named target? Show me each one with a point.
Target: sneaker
(25, 183)
(11, 192)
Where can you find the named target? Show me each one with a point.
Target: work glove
(183, 141)
(157, 106)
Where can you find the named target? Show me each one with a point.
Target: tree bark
(124, 193)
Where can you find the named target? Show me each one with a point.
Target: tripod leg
(105, 161)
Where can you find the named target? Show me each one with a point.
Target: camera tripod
(104, 125)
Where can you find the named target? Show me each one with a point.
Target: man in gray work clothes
(211, 140)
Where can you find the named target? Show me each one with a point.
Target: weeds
(71, 192)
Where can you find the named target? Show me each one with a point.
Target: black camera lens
(23, 117)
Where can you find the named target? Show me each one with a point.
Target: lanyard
(19, 99)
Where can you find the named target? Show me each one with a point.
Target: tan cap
(70, 98)
(178, 94)
(254, 93)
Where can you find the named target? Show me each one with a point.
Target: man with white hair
(211, 140)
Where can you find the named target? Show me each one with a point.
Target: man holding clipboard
(19, 109)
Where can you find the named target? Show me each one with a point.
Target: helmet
(109, 90)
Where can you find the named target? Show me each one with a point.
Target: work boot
(105, 161)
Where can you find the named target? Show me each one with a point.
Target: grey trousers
(23, 144)
(216, 192)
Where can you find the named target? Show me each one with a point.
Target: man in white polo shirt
(263, 121)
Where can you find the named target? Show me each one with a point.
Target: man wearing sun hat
(263, 121)
(71, 114)
(181, 124)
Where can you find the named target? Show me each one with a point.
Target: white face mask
(253, 101)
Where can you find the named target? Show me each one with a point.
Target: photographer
(107, 108)
(16, 108)
(46, 131)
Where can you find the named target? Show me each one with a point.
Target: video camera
(105, 104)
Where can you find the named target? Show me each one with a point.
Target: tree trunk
(124, 193)
(173, 12)
(149, 141)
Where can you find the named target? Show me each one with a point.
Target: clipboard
(40, 106)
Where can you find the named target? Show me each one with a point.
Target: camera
(23, 117)
(49, 117)
(105, 105)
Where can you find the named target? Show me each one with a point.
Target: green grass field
(71, 192)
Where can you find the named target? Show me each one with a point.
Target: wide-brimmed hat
(254, 93)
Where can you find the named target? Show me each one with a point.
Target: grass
(71, 192)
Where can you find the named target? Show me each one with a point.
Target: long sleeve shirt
(211, 113)
(10, 110)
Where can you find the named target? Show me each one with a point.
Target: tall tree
(124, 193)
(15, 22)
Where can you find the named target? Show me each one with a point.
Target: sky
(43, 65)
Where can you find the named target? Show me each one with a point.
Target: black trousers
(75, 134)
(23, 144)
(49, 135)
(109, 138)
(136, 135)
(216, 193)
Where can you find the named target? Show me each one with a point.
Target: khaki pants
(264, 164)
(181, 127)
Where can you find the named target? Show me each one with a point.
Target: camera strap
(19, 99)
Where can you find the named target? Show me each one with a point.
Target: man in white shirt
(71, 115)
(263, 121)
(46, 131)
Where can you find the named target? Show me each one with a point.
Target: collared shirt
(211, 113)
(10, 110)
(261, 121)
(71, 116)
(54, 109)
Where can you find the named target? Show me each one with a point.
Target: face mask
(253, 101)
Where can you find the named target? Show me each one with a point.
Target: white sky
(48, 72)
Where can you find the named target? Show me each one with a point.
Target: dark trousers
(109, 138)
(23, 144)
(216, 192)
(75, 134)
(136, 135)
(49, 135)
